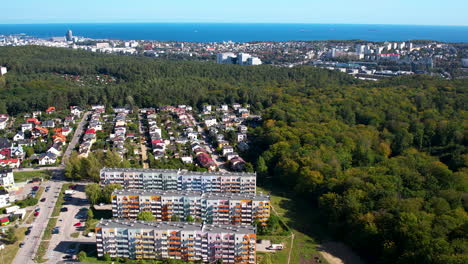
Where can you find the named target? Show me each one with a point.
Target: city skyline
(209, 11)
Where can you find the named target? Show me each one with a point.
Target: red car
(35, 187)
(77, 224)
(36, 213)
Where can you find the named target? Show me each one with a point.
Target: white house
(227, 149)
(187, 159)
(4, 198)
(210, 121)
(26, 127)
(231, 155)
(75, 110)
(241, 137)
(47, 158)
(18, 136)
(6, 179)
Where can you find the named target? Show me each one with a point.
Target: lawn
(59, 203)
(22, 176)
(305, 224)
(48, 231)
(9, 253)
(41, 251)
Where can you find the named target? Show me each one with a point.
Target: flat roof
(217, 196)
(183, 226)
(179, 172)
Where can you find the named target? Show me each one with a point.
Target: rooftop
(185, 226)
(179, 172)
(217, 196)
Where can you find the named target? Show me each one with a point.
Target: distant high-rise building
(241, 59)
(465, 62)
(69, 35)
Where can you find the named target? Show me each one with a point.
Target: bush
(27, 202)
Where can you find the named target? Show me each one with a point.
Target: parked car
(36, 213)
(43, 199)
(64, 209)
(21, 244)
(77, 224)
(37, 209)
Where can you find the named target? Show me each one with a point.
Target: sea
(241, 32)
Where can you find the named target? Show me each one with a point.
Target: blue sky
(415, 12)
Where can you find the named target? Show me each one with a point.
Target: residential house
(10, 163)
(4, 118)
(231, 155)
(227, 149)
(48, 124)
(7, 181)
(4, 198)
(50, 110)
(5, 143)
(210, 121)
(76, 111)
(241, 137)
(18, 136)
(33, 121)
(26, 127)
(237, 164)
(48, 158)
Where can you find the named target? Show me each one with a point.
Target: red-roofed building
(5, 221)
(206, 161)
(40, 131)
(11, 163)
(50, 110)
(33, 121)
(90, 131)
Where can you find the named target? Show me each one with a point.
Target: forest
(384, 162)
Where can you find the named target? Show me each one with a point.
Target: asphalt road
(76, 137)
(26, 254)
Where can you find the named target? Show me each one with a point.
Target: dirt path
(291, 248)
(338, 253)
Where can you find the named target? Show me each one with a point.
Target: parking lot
(70, 221)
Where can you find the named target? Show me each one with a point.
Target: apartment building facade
(212, 208)
(180, 180)
(176, 240)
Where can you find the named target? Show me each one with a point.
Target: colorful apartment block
(212, 208)
(176, 240)
(180, 180)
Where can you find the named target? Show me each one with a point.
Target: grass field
(22, 176)
(305, 225)
(8, 254)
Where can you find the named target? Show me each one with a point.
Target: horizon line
(208, 22)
